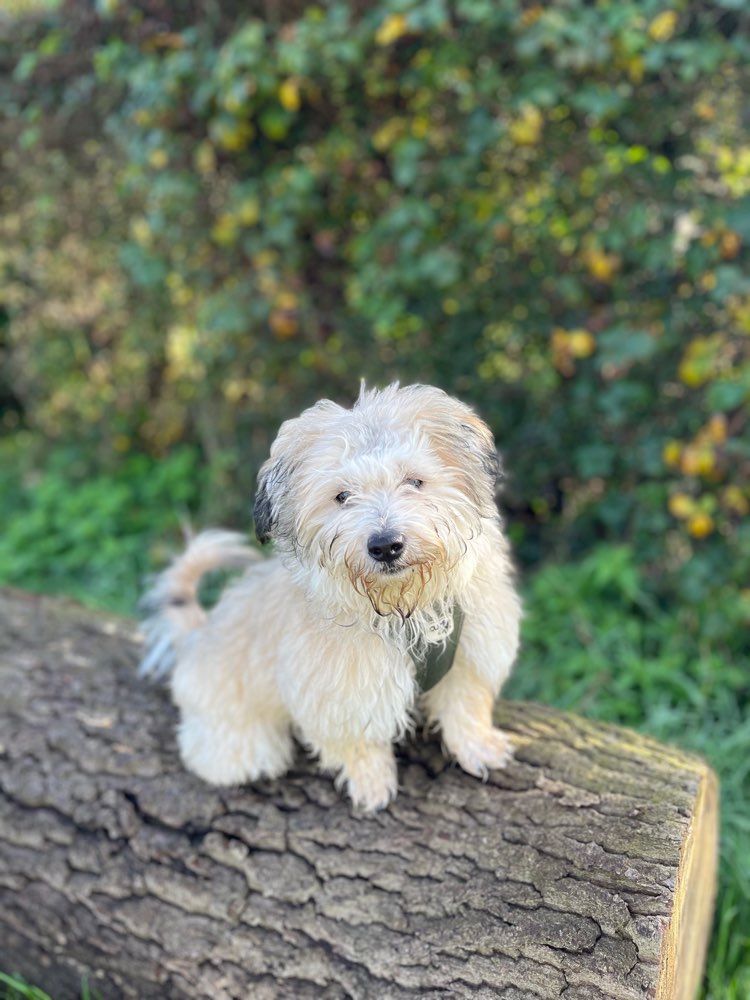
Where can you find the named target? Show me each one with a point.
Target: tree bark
(584, 870)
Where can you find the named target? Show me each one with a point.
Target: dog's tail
(172, 607)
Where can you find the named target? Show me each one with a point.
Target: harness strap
(435, 663)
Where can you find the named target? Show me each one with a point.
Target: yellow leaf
(224, 231)
(237, 388)
(283, 323)
(166, 40)
(387, 134)
(697, 461)
(705, 110)
(248, 211)
(681, 505)
(662, 27)
(181, 348)
(392, 28)
(179, 292)
(700, 525)
(526, 130)
(286, 300)
(158, 158)
(717, 428)
(635, 68)
(561, 353)
(289, 96)
(581, 343)
(234, 137)
(730, 245)
(182, 296)
(420, 126)
(602, 266)
(531, 14)
(736, 500)
(691, 373)
(672, 453)
(141, 231)
(265, 258)
(205, 158)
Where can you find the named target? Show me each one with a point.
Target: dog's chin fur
(321, 639)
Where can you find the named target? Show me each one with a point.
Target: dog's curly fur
(383, 518)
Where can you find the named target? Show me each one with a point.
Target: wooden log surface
(585, 870)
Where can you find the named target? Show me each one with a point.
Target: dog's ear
(271, 485)
(289, 453)
(480, 442)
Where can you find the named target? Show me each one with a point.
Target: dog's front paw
(372, 793)
(372, 780)
(366, 770)
(483, 751)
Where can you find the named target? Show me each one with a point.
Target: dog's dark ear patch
(263, 516)
(270, 483)
(488, 456)
(493, 466)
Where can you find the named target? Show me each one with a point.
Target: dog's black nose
(386, 547)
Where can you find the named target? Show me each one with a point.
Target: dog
(389, 555)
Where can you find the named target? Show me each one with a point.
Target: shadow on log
(585, 870)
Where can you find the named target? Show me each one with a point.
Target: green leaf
(624, 345)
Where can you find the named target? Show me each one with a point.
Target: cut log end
(586, 869)
(686, 938)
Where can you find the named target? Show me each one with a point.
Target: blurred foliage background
(215, 213)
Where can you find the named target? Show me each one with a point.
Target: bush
(545, 210)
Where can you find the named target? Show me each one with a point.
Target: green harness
(438, 659)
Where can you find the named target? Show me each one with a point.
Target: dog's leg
(368, 770)
(234, 727)
(350, 696)
(223, 753)
(460, 706)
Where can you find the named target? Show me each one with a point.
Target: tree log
(584, 870)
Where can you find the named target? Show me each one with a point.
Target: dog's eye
(343, 496)
(416, 483)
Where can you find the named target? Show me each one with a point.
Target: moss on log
(585, 870)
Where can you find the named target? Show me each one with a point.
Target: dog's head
(383, 500)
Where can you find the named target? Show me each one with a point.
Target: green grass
(94, 537)
(14, 988)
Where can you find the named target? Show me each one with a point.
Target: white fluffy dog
(389, 555)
